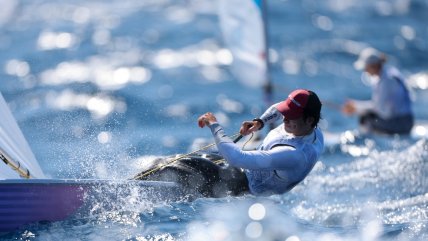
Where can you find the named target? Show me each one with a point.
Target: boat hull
(28, 201)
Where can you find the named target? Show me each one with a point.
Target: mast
(268, 86)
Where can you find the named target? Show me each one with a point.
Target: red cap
(293, 107)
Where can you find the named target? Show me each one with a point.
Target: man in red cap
(287, 154)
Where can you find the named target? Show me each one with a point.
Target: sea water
(99, 87)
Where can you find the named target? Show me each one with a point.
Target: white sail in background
(243, 31)
(15, 146)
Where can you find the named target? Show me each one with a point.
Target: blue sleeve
(283, 157)
(271, 115)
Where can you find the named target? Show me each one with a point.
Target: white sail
(15, 146)
(242, 26)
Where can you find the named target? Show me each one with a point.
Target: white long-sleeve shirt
(282, 160)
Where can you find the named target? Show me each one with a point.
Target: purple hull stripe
(23, 203)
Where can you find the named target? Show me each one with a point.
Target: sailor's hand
(349, 107)
(249, 127)
(206, 119)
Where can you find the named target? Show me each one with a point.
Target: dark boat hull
(206, 174)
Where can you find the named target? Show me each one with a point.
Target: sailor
(389, 111)
(287, 154)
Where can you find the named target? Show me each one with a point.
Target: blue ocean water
(100, 86)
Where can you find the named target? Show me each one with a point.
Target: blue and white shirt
(390, 96)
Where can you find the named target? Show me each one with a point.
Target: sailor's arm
(268, 117)
(358, 107)
(271, 115)
(282, 157)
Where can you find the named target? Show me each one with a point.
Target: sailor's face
(373, 69)
(297, 127)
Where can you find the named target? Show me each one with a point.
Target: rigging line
(218, 162)
(151, 171)
(252, 134)
(16, 166)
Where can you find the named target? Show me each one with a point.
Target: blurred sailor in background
(389, 111)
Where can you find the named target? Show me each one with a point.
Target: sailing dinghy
(27, 195)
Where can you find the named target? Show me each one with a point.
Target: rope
(252, 134)
(218, 162)
(155, 169)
